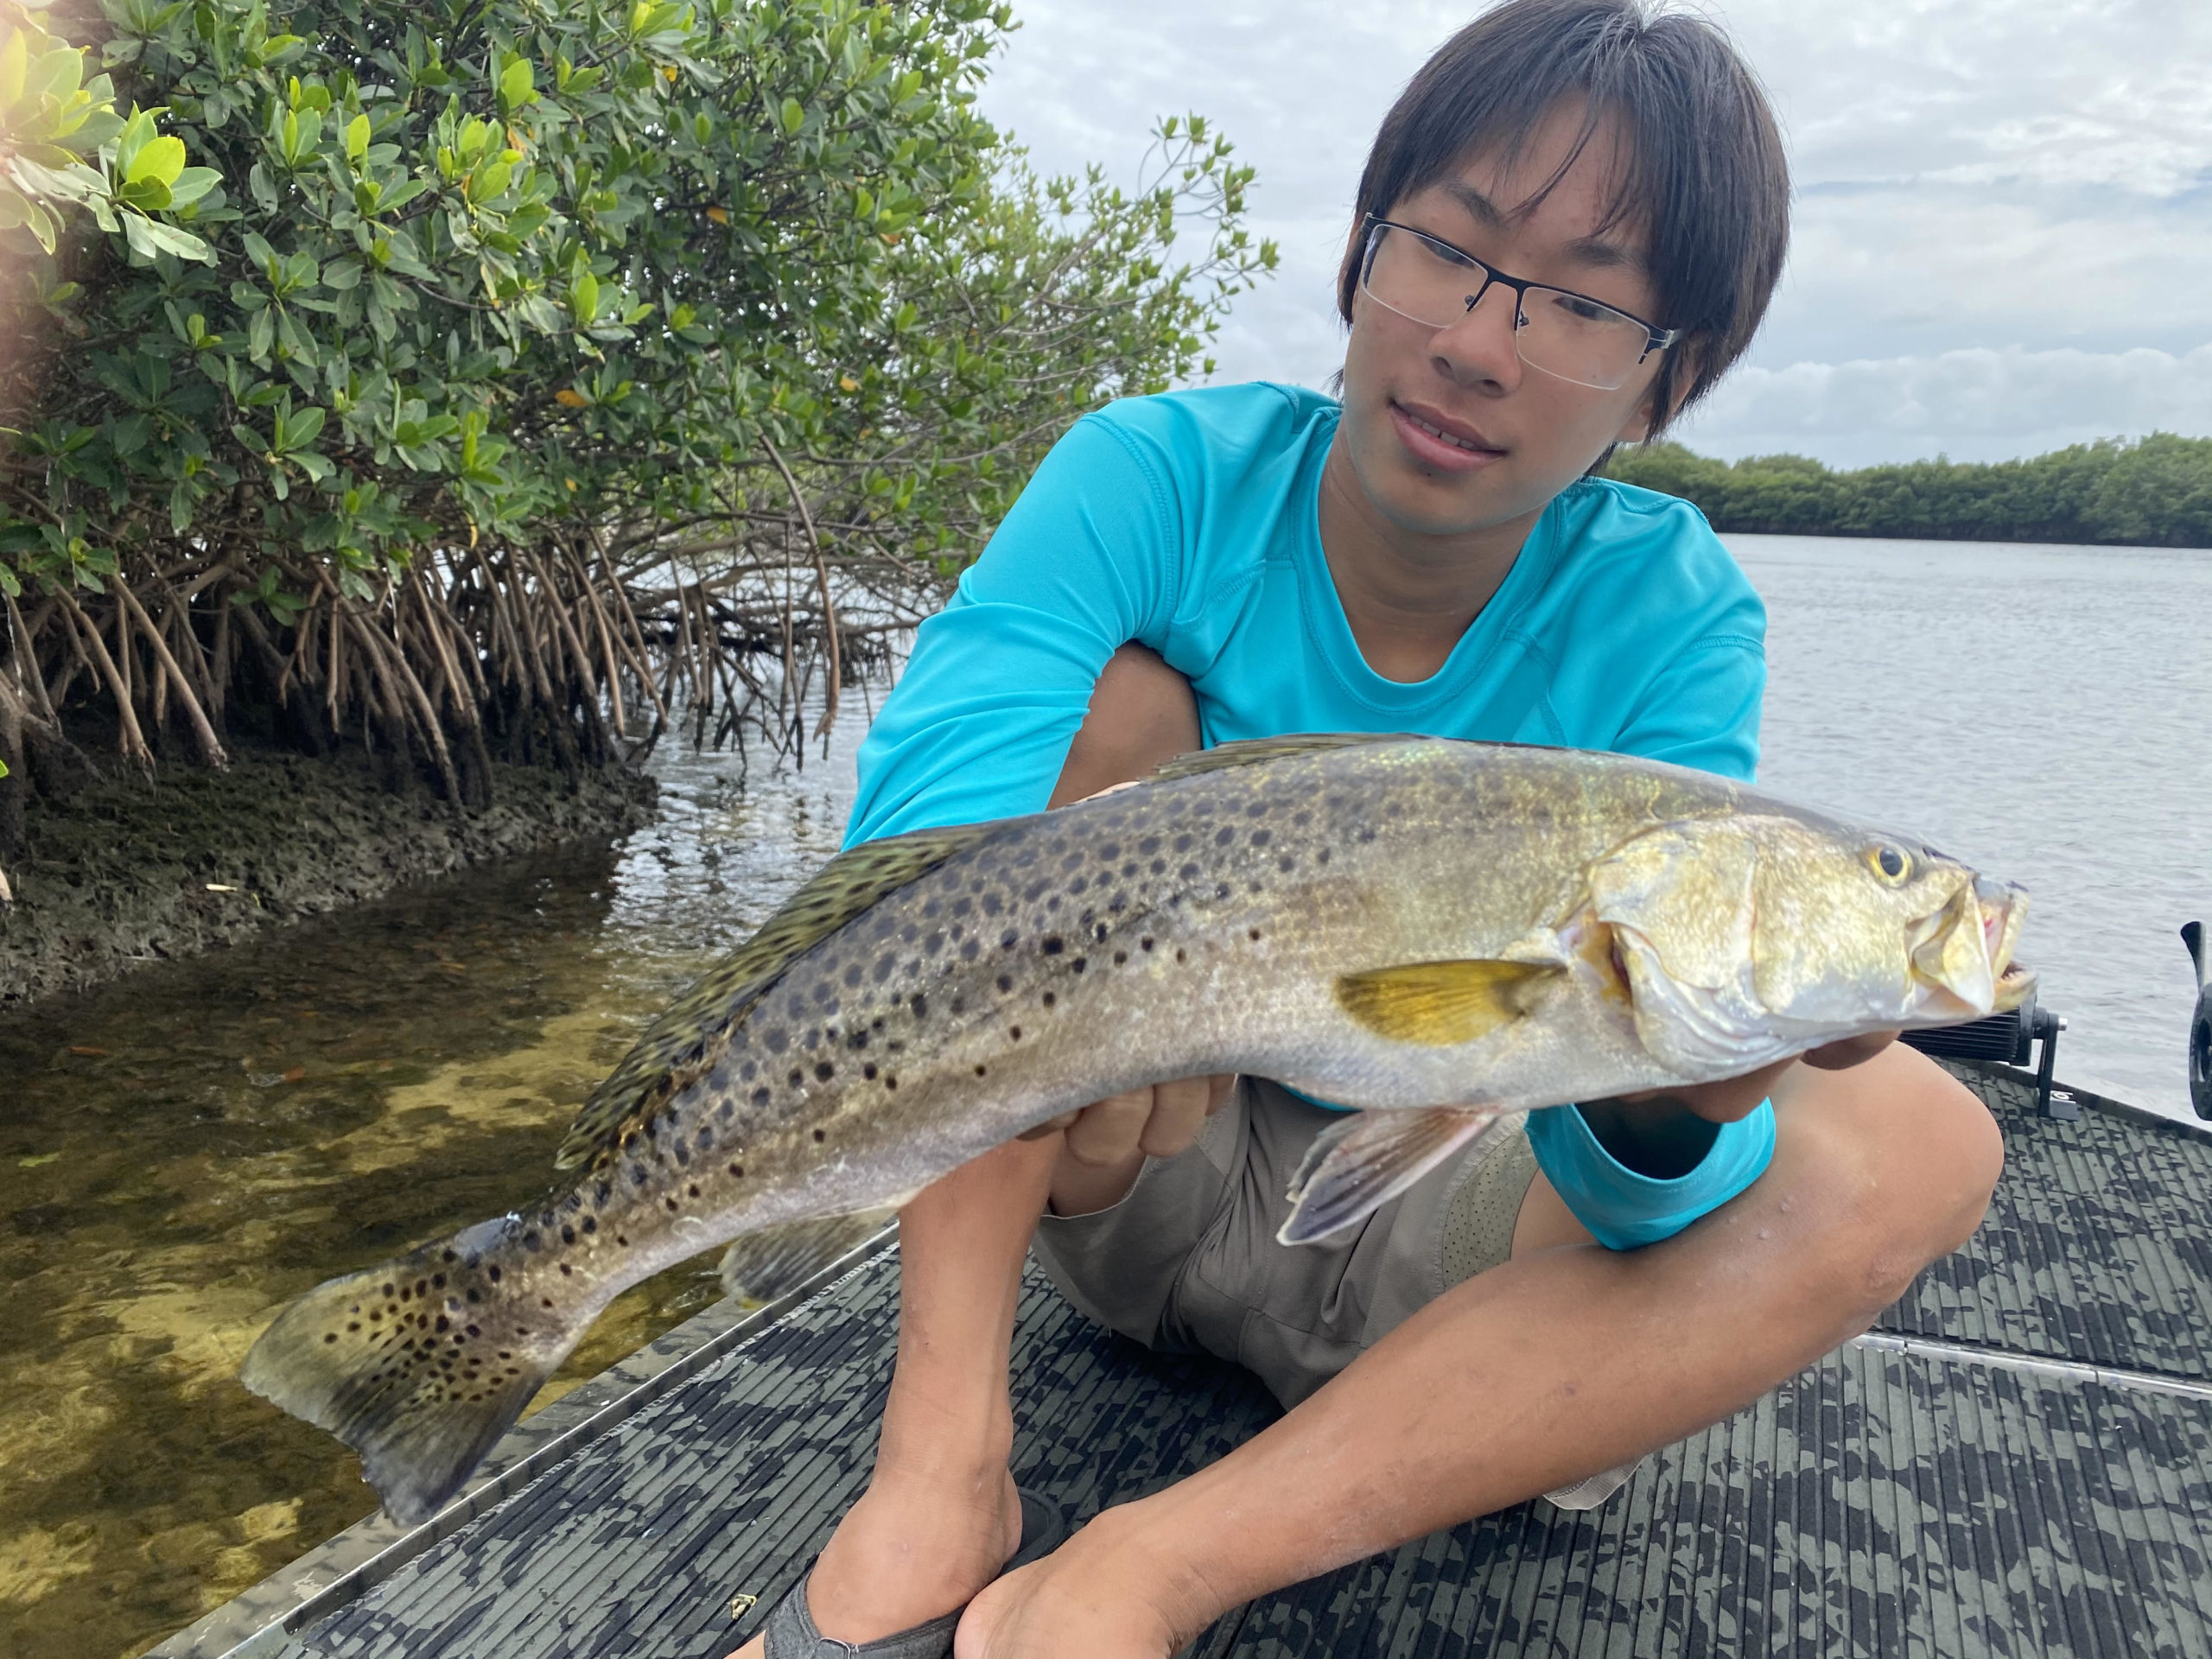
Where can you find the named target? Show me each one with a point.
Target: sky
(2002, 239)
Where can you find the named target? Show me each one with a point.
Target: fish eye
(1887, 863)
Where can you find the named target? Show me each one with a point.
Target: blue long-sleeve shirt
(1188, 522)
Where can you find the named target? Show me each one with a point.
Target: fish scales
(1235, 915)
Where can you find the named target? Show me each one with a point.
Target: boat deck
(2017, 1461)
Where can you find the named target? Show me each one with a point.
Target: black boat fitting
(2200, 1027)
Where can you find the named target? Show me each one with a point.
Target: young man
(1568, 228)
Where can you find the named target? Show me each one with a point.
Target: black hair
(1701, 171)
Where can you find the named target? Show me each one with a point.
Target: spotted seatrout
(1435, 932)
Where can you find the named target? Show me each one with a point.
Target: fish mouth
(1960, 956)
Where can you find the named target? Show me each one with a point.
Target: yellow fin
(1440, 1004)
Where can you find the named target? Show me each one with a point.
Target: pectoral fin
(1440, 1004)
(1355, 1168)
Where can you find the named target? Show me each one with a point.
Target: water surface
(2044, 713)
(186, 1150)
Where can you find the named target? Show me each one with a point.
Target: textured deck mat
(1881, 1504)
(2097, 1248)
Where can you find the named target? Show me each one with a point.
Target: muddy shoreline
(129, 871)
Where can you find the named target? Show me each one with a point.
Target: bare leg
(940, 1517)
(1565, 1361)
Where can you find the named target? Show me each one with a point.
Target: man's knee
(1142, 714)
(1909, 1158)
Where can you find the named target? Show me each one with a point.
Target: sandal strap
(792, 1634)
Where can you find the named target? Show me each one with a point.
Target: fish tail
(420, 1365)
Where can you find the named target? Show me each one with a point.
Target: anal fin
(761, 1266)
(1355, 1168)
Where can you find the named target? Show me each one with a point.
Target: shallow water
(187, 1150)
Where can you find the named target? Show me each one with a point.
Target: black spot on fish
(761, 1097)
(1224, 837)
(884, 964)
(1261, 837)
(1053, 946)
(332, 1337)
(795, 1079)
(932, 944)
(776, 1040)
(1078, 964)
(1182, 842)
(693, 1189)
(530, 1242)
(1121, 957)
(565, 1271)
(1008, 939)
(1188, 873)
(852, 977)
(671, 1203)
(1014, 1032)
(890, 1082)
(920, 1005)
(1159, 865)
(869, 1071)
(820, 1135)
(1180, 954)
(1148, 846)
(1144, 945)
(491, 1273)
(1078, 884)
(1049, 999)
(970, 950)
(591, 1224)
(824, 1071)
(1323, 855)
(737, 1172)
(979, 1071)
(1221, 890)
(567, 1235)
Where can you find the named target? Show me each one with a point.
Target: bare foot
(913, 1549)
(1095, 1595)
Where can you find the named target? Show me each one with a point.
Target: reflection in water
(185, 1151)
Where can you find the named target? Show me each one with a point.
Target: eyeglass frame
(1659, 341)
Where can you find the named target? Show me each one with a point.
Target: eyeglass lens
(1561, 334)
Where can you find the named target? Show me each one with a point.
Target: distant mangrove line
(2156, 493)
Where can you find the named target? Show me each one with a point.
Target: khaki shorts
(1188, 1262)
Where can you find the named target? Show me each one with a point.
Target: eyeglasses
(1560, 333)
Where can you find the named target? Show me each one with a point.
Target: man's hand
(1157, 1122)
(1732, 1098)
(1663, 1133)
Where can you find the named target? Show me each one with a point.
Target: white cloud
(1976, 405)
(2025, 180)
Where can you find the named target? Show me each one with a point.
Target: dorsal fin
(839, 890)
(1251, 751)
